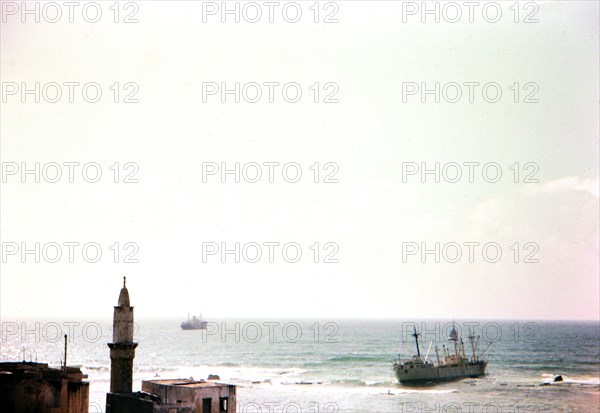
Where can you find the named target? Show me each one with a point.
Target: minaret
(122, 349)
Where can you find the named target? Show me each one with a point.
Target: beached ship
(194, 323)
(454, 364)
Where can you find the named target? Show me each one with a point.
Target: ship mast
(471, 339)
(416, 336)
(428, 350)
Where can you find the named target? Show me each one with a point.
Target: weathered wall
(121, 367)
(123, 325)
(34, 392)
(172, 394)
(78, 397)
(120, 403)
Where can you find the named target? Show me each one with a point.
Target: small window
(223, 403)
(206, 405)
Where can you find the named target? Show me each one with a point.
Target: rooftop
(22, 370)
(187, 383)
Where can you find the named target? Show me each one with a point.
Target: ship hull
(439, 374)
(195, 326)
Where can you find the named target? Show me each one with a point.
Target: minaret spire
(122, 349)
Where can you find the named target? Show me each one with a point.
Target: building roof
(187, 383)
(41, 370)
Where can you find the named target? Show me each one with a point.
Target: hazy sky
(370, 137)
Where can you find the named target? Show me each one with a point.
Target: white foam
(592, 380)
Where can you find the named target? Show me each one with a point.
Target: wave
(152, 369)
(356, 358)
(541, 367)
(587, 380)
(228, 364)
(351, 382)
(98, 368)
(425, 391)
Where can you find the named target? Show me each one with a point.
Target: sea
(336, 365)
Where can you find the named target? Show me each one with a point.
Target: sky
(370, 135)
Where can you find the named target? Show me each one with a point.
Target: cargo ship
(194, 323)
(454, 363)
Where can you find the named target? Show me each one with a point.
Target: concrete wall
(42, 390)
(122, 403)
(78, 397)
(174, 395)
(170, 408)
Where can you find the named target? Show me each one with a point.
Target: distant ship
(453, 365)
(194, 323)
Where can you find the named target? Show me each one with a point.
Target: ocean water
(335, 365)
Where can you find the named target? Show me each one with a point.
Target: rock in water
(558, 378)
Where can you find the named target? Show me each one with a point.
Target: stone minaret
(122, 349)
